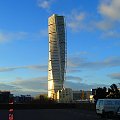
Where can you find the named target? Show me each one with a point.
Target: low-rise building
(5, 96)
(81, 95)
(65, 95)
(87, 95)
(77, 95)
(23, 99)
(92, 99)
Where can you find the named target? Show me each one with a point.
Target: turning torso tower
(57, 54)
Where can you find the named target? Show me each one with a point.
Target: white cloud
(3, 37)
(36, 67)
(109, 18)
(32, 83)
(84, 63)
(110, 9)
(104, 25)
(45, 4)
(6, 86)
(10, 36)
(76, 20)
(111, 34)
(72, 70)
(33, 67)
(31, 86)
(2, 69)
(108, 22)
(114, 76)
(82, 86)
(34, 86)
(44, 32)
(73, 78)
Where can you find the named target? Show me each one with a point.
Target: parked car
(107, 107)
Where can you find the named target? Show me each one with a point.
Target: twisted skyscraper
(57, 54)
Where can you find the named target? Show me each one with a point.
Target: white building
(92, 100)
(57, 54)
(65, 95)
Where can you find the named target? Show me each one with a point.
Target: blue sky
(93, 43)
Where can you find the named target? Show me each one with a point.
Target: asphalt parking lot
(50, 114)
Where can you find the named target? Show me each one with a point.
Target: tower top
(55, 15)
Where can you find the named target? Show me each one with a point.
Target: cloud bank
(83, 63)
(114, 76)
(9, 36)
(38, 85)
(33, 67)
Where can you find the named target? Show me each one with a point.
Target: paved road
(50, 114)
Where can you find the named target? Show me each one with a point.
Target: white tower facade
(57, 54)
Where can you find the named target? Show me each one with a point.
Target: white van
(107, 106)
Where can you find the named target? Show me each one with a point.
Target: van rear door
(99, 106)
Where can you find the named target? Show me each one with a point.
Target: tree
(82, 95)
(43, 99)
(113, 92)
(101, 93)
